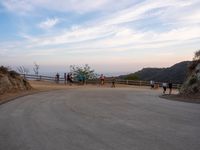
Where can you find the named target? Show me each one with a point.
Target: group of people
(102, 81)
(68, 78)
(164, 85)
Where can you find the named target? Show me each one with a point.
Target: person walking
(170, 87)
(164, 85)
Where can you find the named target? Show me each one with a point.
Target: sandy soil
(41, 86)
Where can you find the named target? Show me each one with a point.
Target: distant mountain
(176, 73)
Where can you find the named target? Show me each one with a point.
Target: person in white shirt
(152, 84)
(164, 85)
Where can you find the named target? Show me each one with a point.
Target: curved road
(99, 119)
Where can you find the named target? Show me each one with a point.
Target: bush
(132, 77)
(13, 74)
(193, 65)
(4, 70)
(192, 80)
(195, 89)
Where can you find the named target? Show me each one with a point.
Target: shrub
(192, 80)
(195, 89)
(3, 70)
(13, 74)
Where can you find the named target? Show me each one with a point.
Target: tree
(36, 68)
(22, 70)
(85, 72)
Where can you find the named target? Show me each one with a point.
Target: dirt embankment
(12, 83)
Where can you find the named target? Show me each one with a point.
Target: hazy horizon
(52, 70)
(112, 37)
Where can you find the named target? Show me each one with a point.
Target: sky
(112, 36)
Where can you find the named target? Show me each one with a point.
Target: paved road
(99, 119)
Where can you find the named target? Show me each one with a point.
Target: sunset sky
(112, 36)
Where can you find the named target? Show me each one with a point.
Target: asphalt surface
(99, 119)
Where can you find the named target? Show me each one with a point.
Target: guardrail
(94, 81)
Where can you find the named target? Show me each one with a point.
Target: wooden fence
(94, 81)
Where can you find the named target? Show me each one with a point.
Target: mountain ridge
(177, 73)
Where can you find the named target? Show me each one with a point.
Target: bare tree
(22, 70)
(36, 68)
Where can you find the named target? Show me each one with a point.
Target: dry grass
(41, 86)
(38, 86)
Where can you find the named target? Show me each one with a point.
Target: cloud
(17, 6)
(49, 23)
(113, 33)
(79, 6)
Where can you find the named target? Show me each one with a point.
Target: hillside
(10, 81)
(176, 73)
(191, 86)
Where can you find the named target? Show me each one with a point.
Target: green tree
(84, 72)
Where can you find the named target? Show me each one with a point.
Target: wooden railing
(94, 81)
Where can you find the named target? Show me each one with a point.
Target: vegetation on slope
(192, 85)
(176, 73)
(10, 81)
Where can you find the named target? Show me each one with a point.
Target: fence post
(40, 77)
(140, 83)
(127, 82)
(24, 76)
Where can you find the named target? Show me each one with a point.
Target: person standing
(102, 79)
(69, 79)
(65, 78)
(84, 79)
(57, 78)
(152, 84)
(164, 85)
(113, 82)
(170, 87)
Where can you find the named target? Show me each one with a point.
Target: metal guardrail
(95, 81)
